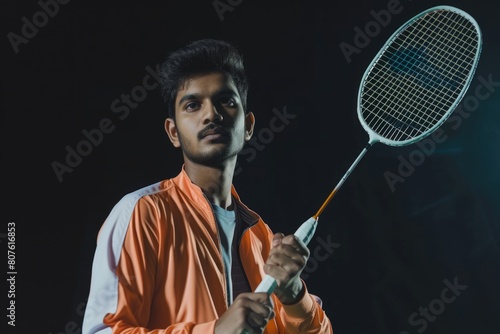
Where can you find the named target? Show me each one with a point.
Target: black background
(393, 249)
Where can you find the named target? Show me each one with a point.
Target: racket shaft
(343, 179)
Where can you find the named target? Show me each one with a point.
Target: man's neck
(214, 181)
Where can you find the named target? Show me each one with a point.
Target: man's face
(210, 125)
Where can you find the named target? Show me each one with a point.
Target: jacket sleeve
(304, 317)
(123, 274)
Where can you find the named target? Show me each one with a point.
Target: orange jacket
(158, 267)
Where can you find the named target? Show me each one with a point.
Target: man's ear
(171, 131)
(249, 125)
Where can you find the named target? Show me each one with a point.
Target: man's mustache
(212, 129)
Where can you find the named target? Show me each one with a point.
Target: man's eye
(192, 106)
(229, 102)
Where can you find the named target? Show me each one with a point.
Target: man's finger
(255, 320)
(277, 239)
(260, 304)
(294, 241)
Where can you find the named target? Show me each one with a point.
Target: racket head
(419, 76)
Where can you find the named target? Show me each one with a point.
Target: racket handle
(305, 233)
(267, 285)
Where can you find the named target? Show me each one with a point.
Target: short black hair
(201, 57)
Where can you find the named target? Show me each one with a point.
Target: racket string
(396, 105)
(435, 71)
(451, 44)
(385, 81)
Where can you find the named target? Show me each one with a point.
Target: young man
(184, 255)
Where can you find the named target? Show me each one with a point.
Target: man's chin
(215, 158)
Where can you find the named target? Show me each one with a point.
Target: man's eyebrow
(188, 97)
(223, 91)
(227, 91)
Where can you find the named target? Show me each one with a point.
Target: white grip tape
(267, 285)
(306, 231)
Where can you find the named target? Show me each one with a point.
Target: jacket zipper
(220, 252)
(240, 222)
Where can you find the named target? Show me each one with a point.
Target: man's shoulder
(147, 192)
(143, 199)
(150, 189)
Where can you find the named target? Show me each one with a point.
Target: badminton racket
(410, 88)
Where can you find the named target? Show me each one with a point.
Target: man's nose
(212, 114)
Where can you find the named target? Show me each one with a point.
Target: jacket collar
(194, 192)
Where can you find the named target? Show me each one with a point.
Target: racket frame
(375, 137)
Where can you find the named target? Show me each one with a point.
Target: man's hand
(285, 263)
(249, 312)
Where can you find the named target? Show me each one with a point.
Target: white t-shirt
(226, 223)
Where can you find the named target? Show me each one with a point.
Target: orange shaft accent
(325, 203)
(341, 182)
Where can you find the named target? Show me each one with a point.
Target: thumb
(277, 239)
